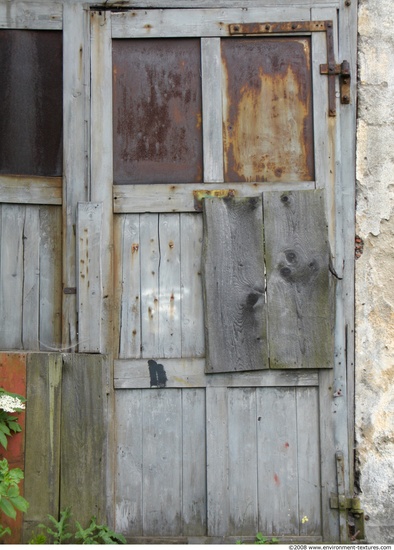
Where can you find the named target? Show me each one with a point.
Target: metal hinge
(343, 70)
(350, 512)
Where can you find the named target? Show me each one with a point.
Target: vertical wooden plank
(42, 456)
(84, 432)
(150, 262)
(277, 461)
(192, 321)
(13, 379)
(162, 462)
(129, 307)
(11, 265)
(243, 483)
(234, 285)
(193, 463)
(300, 287)
(217, 462)
(170, 286)
(129, 458)
(90, 297)
(308, 450)
(31, 280)
(212, 110)
(76, 168)
(101, 159)
(50, 277)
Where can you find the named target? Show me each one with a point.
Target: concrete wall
(375, 268)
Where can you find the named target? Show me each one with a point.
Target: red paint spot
(287, 445)
(276, 479)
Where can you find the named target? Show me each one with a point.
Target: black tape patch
(158, 376)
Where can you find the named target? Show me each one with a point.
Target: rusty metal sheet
(31, 99)
(157, 111)
(267, 109)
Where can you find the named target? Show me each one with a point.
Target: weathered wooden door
(216, 164)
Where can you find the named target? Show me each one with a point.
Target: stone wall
(375, 268)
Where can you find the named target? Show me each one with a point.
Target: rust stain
(134, 248)
(267, 127)
(276, 480)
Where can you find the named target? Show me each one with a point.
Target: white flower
(10, 404)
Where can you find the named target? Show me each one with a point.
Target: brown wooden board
(234, 284)
(300, 286)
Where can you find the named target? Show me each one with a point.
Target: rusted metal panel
(31, 102)
(157, 111)
(267, 126)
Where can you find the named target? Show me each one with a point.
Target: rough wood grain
(42, 455)
(234, 285)
(31, 279)
(31, 15)
(300, 287)
(30, 189)
(84, 432)
(90, 294)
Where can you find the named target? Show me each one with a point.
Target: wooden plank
(42, 455)
(11, 276)
(193, 462)
(243, 461)
(234, 285)
(31, 279)
(31, 15)
(90, 292)
(76, 113)
(129, 286)
(162, 462)
(212, 109)
(308, 449)
(150, 262)
(217, 462)
(84, 435)
(30, 190)
(192, 314)
(190, 373)
(129, 459)
(50, 277)
(277, 460)
(180, 198)
(101, 159)
(170, 286)
(300, 287)
(194, 22)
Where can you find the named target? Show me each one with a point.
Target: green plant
(10, 499)
(9, 403)
(60, 531)
(260, 539)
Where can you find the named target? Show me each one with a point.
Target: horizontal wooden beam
(189, 373)
(30, 190)
(31, 15)
(180, 197)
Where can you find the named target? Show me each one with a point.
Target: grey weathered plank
(192, 314)
(84, 432)
(217, 462)
(190, 373)
(180, 198)
(42, 453)
(300, 286)
(31, 15)
(128, 285)
(193, 462)
(129, 458)
(11, 270)
(212, 109)
(90, 296)
(50, 277)
(234, 285)
(76, 113)
(162, 462)
(31, 279)
(30, 189)
(243, 461)
(170, 286)
(195, 22)
(278, 468)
